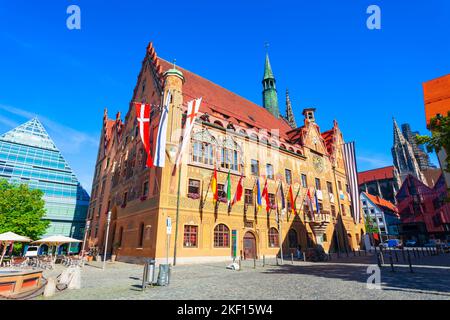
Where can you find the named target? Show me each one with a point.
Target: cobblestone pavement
(343, 278)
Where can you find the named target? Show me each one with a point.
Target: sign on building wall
(233, 243)
(169, 225)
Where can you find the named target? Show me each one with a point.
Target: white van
(32, 251)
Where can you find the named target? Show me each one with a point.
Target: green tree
(22, 210)
(371, 226)
(440, 137)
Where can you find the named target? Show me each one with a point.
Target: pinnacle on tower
(398, 135)
(270, 98)
(289, 113)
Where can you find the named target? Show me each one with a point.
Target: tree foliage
(440, 137)
(371, 225)
(22, 210)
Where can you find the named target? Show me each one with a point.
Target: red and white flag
(160, 148)
(143, 118)
(192, 111)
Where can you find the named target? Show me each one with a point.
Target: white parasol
(8, 238)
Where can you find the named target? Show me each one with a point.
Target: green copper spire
(270, 98)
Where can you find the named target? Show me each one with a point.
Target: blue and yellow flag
(258, 195)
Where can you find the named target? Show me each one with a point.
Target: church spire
(403, 157)
(270, 98)
(289, 113)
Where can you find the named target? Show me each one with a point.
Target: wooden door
(249, 246)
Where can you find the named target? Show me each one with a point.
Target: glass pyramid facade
(28, 155)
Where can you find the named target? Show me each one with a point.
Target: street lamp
(108, 220)
(88, 224)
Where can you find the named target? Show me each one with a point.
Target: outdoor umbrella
(56, 241)
(10, 237)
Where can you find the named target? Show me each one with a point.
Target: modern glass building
(28, 155)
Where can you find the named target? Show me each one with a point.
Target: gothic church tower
(270, 98)
(403, 156)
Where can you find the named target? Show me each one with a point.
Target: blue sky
(321, 50)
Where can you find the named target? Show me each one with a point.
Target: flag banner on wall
(258, 195)
(265, 195)
(214, 187)
(192, 111)
(160, 149)
(291, 200)
(310, 203)
(239, 191)
(227, 189)
(281, 196)
(316, 198)
(352, 177)
(143, 118)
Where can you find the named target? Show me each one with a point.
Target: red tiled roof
(221, 100)
(381, 202)
(376, 174)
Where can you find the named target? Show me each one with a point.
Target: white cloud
(372, 161)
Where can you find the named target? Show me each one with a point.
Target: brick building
(237, 136)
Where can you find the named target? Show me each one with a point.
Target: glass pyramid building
(28, 155)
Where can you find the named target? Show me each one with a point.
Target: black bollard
(409, 261)
(378, 258)
(292, 258)
(354, 253)
(396, 256)
(403, 254)
(264, 261)
(346, 251)
(359, 252)
(240, 264)
(254, 263)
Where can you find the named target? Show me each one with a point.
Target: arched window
(254, 136)
(282, 146)
(221, 236)
(141, 235)
(230, 154)
(203, 147)
(273, 238)
(292, 237)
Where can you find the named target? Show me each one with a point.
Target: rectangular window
(190, 236)
(340, 186)
(288, 176)
(304, 181)
(248, 198)
(255, 167)
(269, 171)
(272, 199)
(343, 209)
(220, 191)
(333, 210)
(347, 188)
(145, 189)
(194, 187)
(329, 187)
(318, 186)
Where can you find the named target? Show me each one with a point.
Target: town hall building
(234, 136)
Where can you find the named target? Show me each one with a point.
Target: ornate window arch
(230, 154)
(202, 147)
(221, 236)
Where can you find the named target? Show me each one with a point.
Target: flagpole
(279, 226)
(177, 217)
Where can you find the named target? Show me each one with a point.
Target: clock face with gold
(318, 163)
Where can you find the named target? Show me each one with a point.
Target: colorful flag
(310, 203)
(160, 149)
(258, 195)
(227, 189)
(352, 177)
(291, 200)
(143, 118)
(192, 111)
(281, 197)
(239, 191)
(317, 202)
(214, 187)
(265, 195)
